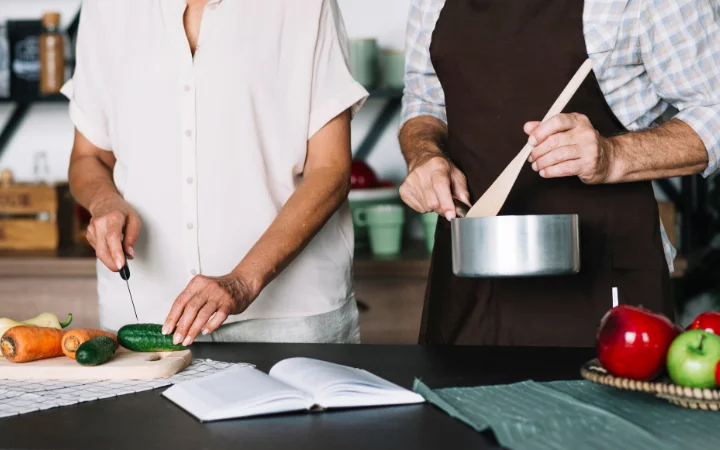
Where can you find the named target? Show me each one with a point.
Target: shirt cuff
(352, 98)
(705, 121)
(414, 107)
(668, 249)
(92, 131)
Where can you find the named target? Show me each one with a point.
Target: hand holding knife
(113, 232)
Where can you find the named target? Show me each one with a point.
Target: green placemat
(576, 415)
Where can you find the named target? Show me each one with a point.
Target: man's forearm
(670, 150)
(422, 138)
(316, 199)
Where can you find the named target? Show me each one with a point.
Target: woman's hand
(113, 218)
(208, 301)
(205, 304)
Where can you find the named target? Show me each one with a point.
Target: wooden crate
(72, 221)
(28, 217)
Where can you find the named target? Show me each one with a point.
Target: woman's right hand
(431, 185)
(113, 231)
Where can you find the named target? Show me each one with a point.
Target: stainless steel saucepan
(515, 246)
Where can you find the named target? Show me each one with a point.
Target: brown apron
(502, 63)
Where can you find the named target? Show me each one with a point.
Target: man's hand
(568, 145)
(431, 185)
(111, 218)
(205, 304)
(433, 180)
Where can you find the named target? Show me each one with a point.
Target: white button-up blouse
(210, 147)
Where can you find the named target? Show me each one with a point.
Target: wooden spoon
(494, 198)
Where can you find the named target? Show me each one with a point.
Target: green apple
(692, 358)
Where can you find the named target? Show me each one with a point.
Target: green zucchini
(146, 338)
(96, 351)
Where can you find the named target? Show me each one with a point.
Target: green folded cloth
(576, 415)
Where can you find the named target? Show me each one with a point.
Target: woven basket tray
(694, 398)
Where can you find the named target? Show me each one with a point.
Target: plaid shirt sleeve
(680, 45)
(423, 95)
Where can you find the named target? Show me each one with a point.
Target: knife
(125, 275)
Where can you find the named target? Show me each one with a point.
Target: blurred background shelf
(54, 98)
(23, 103)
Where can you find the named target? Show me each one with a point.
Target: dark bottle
(24, 58)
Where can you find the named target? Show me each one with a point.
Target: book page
(334, 385)
(237, 392)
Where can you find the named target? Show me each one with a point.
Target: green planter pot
(364, 55)
(386, 224)
(360, 201)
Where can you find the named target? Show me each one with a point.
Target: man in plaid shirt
(657, 82)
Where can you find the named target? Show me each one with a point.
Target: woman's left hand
(205, 304)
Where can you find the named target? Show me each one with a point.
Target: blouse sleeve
(333, 88)
(87, 90)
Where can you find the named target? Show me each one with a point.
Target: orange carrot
(28, 343)
(73, 339)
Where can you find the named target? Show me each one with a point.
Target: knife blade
(125, 275)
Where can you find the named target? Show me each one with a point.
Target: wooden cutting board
(125, 365)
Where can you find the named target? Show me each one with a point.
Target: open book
(294, 384)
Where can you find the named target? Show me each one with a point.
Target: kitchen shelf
(54, 98)
(394, 93)
(392, 107)
(23, 103)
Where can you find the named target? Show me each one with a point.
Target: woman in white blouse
(213, 150)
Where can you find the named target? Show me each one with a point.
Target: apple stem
(702, 338)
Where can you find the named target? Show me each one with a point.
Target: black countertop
(148, 421)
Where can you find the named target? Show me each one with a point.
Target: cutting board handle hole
(155, 357)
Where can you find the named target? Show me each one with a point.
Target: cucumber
(96, 351)
(146, 338)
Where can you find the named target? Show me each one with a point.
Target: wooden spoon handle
(565, 96)
(494, 198)
(570, 89)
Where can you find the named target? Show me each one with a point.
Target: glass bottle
(52, 55)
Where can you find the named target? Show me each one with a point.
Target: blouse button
(187, 88)
(190, 180)
(188, 133)
(190, 226)
(193, 272)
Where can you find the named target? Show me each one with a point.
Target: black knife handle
(125, 271)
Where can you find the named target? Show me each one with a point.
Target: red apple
(708, 321)
(632, 342)
(362, 176)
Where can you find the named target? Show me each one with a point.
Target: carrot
(26, 343)
(73, 339)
